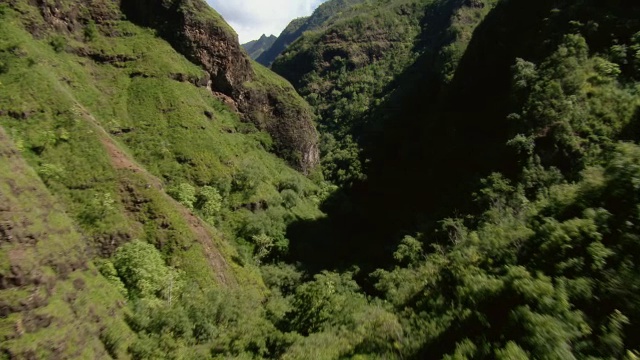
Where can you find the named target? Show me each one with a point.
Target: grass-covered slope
(53, 301)
(118, 143)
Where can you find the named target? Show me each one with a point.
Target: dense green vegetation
(256, 47)
(107, 116)
(478, 196)
(354, 65)
(494, 141)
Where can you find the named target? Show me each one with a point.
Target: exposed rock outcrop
(200, 34)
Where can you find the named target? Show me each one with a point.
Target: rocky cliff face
(201, 35)
(196, 31)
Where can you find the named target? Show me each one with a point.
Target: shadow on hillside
(410, 176)
(437, 140)
(631, 132)
(434, 142)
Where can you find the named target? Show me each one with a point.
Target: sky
(252, 18)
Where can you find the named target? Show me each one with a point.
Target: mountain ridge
(256, 47)
(298, 26)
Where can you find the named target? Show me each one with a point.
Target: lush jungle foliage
(479, 194)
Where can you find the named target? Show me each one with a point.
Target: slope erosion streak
(122, 161)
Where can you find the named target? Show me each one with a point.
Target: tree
(409, 251)
(263, 245)
(142, 269)
(209, 201)
(185, 194)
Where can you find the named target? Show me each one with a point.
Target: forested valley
(388, 179)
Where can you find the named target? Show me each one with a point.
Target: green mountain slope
(413, 114)
(50, 289)
(256, 47)
(292, 32)
(482, 147)
(298, 26)
(482, 159)
(355, 63)
(113, 120)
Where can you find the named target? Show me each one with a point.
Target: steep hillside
(151, 175)
(482, 201)
(256, 47)
(485, 148)
(354, 64)
(298, 26)
(407, 118)
(53, 302)
(198, 33)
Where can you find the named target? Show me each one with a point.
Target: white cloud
(252, 18)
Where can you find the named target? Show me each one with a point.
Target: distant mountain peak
(299, 25)
(256, 47)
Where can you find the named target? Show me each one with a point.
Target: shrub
(247, 179)
(409, 251)
(282, 276)
(263, 244)
(141, 268)
(99, 207)
(209, 201)
(58, 43)
(4, 66)
(90, 31)
(330, 299)
(272, 222)
(50, 172)
(109, 271)
(185, 194)
(292, 183)
(290, 198)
